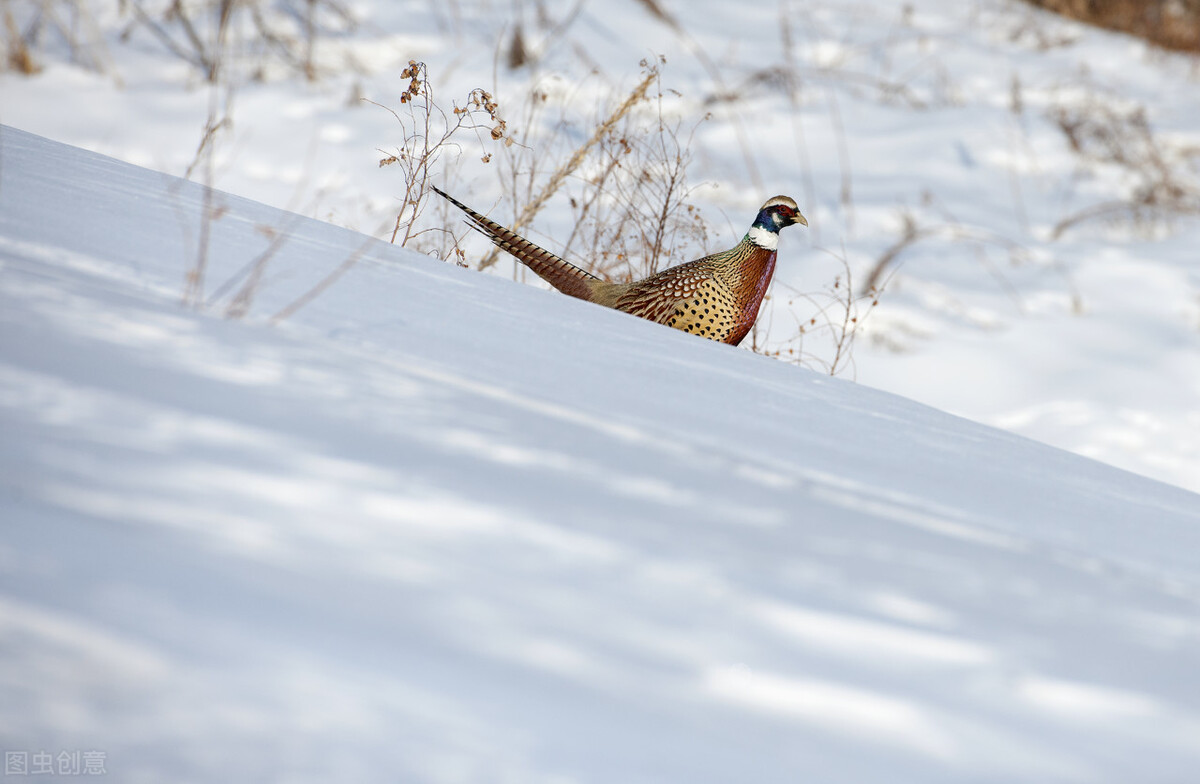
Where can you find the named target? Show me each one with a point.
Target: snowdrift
(441, 527)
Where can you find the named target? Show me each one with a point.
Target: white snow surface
(438, 527)
(442, 527)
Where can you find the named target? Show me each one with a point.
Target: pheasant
(716, 297)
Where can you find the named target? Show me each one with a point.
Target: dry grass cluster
(1171, 24)
(212, 35)
(1162, 176)
(428, 133)
(626, 183)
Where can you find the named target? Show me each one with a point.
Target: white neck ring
(763, 238)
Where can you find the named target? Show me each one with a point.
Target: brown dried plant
(197, 33)
(626, 185)
(603, 129)
(1163, 178)
(428, 133)
(634, 216)
(834, 319)
(1171, 24)
(17, 54)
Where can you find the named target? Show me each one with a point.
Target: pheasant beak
(800, 219)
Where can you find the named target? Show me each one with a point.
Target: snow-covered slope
(441, 527)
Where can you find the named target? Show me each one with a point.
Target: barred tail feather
(559, 273)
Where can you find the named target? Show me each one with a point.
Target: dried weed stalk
(27, 24)
(836, 316)
(265, 36)
(428, 133)
(1163, 178)
(220, 103)
(626, 184)
(603, 129)
(946, 228)
(17, 54)
(633, 214)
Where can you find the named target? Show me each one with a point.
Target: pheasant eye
(784, 209)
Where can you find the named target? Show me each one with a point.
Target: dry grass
(17, 56)
(33, 29)
(198, 33)
(1171, 24)
(556, 179)
(1163, 178)
(823, 339)
(253, 36)
(630, 198)
(428, 133)
(946, 229)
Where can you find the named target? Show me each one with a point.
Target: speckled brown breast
(712, 312)
(716, 297)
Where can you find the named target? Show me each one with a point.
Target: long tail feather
(559, 273)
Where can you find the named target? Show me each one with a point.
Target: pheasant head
(778, 212)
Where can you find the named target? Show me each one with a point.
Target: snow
(444, 527)
(434, 525)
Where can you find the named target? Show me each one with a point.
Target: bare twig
(428, 133)
(1105, 135)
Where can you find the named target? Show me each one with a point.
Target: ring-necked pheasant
(716, 297)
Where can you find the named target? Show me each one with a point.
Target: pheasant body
(715, 297)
